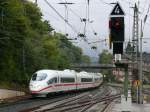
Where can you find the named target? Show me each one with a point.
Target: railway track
(33, 102)
(76, 102)
(79, 103)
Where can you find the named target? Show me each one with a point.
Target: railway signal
(116, 26)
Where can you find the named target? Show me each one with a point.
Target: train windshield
(39, 77)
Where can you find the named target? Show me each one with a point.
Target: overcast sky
(99, 11)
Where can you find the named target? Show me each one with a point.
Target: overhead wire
(141, 12)
(85, 19)
(65, 4)
(66, 17)
(80, 16)
(133, 4)
(72, 27)
(47, 13)
(88, 17)
(145, 3)
(88, 13)
(146, 16)
(81, 19)
(73, 12)
(103, 2)
(93, 31)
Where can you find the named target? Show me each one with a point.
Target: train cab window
(39, 77)
(52, 81)
(86, 79)
(67, 80)
(34, 77)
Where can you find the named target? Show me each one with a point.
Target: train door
(76, 81)
(60, 86)
(52, 83)
(57, 85)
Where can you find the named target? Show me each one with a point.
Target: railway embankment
(6, 94)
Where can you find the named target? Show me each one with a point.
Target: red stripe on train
(41, 89)
(60, 85)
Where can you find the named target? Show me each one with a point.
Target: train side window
(39, 76)
(34, 77)
(86, 79)
(52, 81)
(67, 80)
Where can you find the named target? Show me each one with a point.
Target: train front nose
(34, 87)
(37, 82)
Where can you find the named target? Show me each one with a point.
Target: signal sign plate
(136, 83)
(117, 10)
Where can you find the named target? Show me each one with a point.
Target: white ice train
(44, 82)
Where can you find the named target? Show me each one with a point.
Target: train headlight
(38, 86)
(35, 86)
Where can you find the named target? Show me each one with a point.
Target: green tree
(27, 43)
(86, 59)
(13, 30)
(106, 58)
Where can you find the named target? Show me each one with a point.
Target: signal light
(116, 25)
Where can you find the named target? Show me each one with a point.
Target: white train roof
(46, 71)
(69, 73)
(84, 75)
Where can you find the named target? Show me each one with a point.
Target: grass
(13, 86)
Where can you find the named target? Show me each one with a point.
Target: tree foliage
(86, 59)
(106, 58)
(27, 43)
